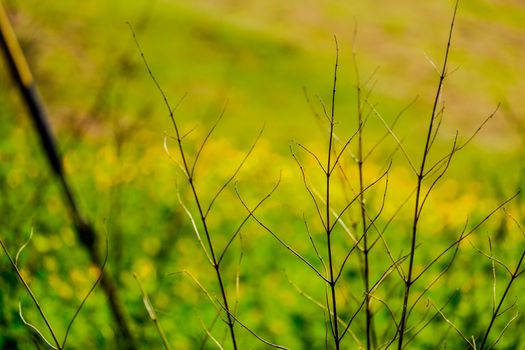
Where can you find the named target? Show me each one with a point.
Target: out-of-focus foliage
(254, 57)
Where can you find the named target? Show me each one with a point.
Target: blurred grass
(258, 56)
(261, 55)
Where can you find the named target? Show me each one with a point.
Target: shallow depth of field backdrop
(255, 60)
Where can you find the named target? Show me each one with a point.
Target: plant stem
(188, 170)
(418, 207)
(215, 262)
(329, 229)
(366, 276)
(32, 295)
(495, 314)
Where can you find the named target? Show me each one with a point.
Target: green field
(268, 65)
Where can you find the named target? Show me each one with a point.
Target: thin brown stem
(496, 312)
(420, 176)
(197, 199)
(364, 221)
(32, 295)
(329, 230)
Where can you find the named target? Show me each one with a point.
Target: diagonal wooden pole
(86, 234)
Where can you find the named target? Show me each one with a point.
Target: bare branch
(516, 315)
(391, 127)
(313, 156)
(454, 327)
(394, 136)
(439, 177)
(33, 298)
(230, 179)
(366, 188)
(318, 209)
(201, 148)
(314, 246)
(97, 281)
(247, 217)
(284, 244)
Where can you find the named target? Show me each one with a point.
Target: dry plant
(350, 230)
(214, 253)
(355, 229)
(364, 236)
(54, 343)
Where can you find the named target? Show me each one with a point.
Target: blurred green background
(255, 59)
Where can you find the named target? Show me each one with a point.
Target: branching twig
(420, 176)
